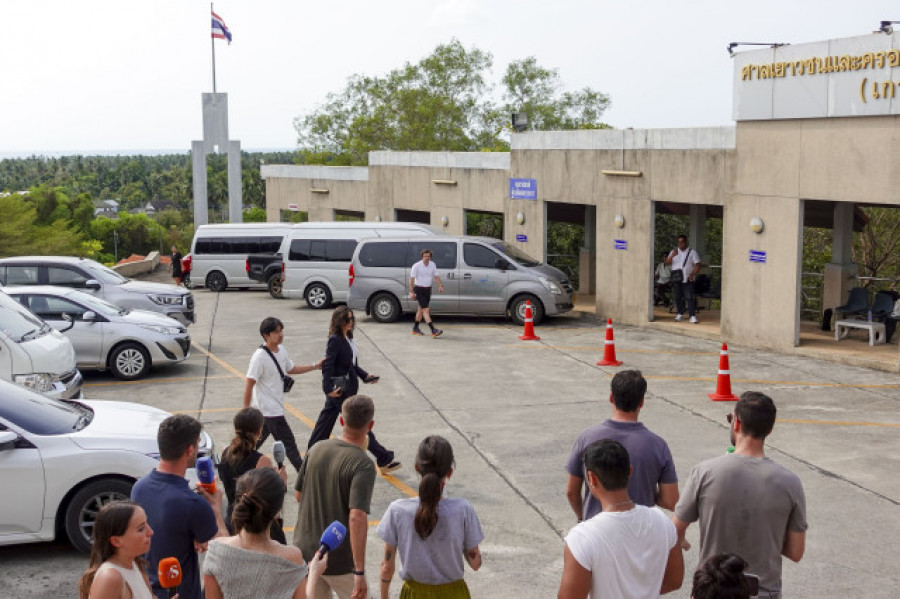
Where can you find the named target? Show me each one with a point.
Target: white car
(125, 341)
(63, 460)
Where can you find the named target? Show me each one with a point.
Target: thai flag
(219, 29)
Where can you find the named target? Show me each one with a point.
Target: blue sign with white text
(757, 256)
(522, 238)
(620, 244)
(523, 189)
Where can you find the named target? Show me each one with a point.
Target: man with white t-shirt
(265, 386)
(685, 263)
(627, 550)
(421, 278)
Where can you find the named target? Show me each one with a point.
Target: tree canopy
(444, 102)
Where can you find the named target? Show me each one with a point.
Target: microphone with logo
(278, 453)
(206, 473)
(169, 573)
(332, 537)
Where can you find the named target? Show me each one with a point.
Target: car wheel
(215, 281)
(129, 361)
(186, 281)
(385, 308)
(275, 285)
(86, 503)
(517, 309)
(318, 296)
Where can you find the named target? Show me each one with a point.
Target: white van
(34, 355)
(316, 256)
(219, 252)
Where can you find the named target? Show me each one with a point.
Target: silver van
(219, 252)
(316, 256)
(481, 275)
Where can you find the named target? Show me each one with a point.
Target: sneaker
(437, 332)
(694, 320)
(417, 332)
(395, 465)
(679, 317)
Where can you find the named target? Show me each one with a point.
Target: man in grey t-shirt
(746, 503)
(653, 481)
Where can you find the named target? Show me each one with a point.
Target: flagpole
(213, 41)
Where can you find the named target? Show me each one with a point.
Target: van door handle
(467, 276)
(450, 275)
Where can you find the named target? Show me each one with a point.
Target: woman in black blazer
(341, 361)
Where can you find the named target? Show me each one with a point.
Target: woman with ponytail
(118, 569)
(250, 564)
(432, 533)
(722, 577)
(241, 456)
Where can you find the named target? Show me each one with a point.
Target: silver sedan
(125, 341)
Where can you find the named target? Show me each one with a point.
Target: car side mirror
(68, 319)
(501, 264)
(92, 284)
(89, 316)
(8, 440)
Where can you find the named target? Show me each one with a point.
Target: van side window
(340, 250)
(478, 256)
(299, 250)
(322, 250)
(270, 245)
(66, 277)
(443, 253)
(21, 275)
(391, 254)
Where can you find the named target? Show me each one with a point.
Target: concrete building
(816, 136)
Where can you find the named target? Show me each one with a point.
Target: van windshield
(103, 274)
(18, 323)
(518, 256)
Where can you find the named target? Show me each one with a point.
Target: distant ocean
(144, 152)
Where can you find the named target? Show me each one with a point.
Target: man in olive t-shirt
(746, 503)
(335, 482)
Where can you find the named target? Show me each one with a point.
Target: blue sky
(110, 75)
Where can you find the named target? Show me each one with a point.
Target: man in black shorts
(421, 278)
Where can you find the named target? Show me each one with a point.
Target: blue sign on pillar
(620, 244)
(523, 189)
(757, 256)
(521, 238)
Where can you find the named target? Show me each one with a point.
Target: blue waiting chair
(857, 303)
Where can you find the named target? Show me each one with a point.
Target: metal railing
(812, 291)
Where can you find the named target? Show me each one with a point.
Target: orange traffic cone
(528, 333)
(609, 348)
(723, 381)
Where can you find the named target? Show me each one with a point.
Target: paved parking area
(512, 409)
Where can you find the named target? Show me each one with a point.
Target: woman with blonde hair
(432, 534)
(117, 568)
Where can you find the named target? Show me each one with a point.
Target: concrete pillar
(587, 259)
(840, 272)
(697, 231)
(198, 160)
(235, 191)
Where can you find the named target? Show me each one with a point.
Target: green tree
(255, 215)
(22, 234)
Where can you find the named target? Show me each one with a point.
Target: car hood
(120, 425)
(146, 317)
(159, 288)
(551, 272)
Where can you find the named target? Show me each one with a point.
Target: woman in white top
(118, 568)
(431, 534)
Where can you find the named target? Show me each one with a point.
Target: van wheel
(81, 513)
(129, 361)
(186, 281)
(318, 296)
(385, 308)
(275, 285)
(517, 309)
(215, 281)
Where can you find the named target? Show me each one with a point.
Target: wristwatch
(359, 572)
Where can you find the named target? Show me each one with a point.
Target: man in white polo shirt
(685, 263)
(421, 279)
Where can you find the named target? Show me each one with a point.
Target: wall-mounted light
(757, 225)
(445, 221)
(619, 221)
(443, 181)
(318, 190)
(520, 218)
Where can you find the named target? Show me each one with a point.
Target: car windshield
(518, 256)
(103, 274)
(96, 304)
(18, 323)
(41, 415)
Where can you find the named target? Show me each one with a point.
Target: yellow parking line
(837, 423)
(300, 415)
(144, 381)
(218, 360)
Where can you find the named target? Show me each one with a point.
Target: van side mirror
(7, 440)
(502, 264)
(68, 319)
